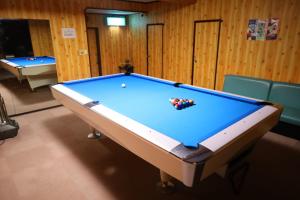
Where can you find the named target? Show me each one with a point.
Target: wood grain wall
(277, 60)
(137, 27)
(115, 43)
(119, 44)
(41, 37)
(155, 50)
(68, 14)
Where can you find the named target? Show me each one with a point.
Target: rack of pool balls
(181, 103)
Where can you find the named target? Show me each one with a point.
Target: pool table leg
(166, 185)
(237, 177)
(94, 134)
(237, 170)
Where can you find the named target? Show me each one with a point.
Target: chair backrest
(246, 86)
(285, 94)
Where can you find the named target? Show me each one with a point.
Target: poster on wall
(272, 29)
(251, 33)
(263, 29)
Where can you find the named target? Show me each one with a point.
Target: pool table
(187, 144)
(39, 71)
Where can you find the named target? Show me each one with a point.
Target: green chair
(288, 95)
(246, 86)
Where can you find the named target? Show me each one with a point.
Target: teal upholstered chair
(288, 95)
(246, 86)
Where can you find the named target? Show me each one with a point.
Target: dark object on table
(8, 127)
(127, 68)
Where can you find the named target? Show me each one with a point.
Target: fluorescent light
(116, 21)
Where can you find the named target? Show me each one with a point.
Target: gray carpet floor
(52, 159)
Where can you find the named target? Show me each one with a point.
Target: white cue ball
(123, 85)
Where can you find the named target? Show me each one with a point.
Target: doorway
(155, 50)
(94, 51)
(205, 53)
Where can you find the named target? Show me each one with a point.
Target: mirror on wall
(27, 65)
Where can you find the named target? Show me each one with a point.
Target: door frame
(98, 49)
(218, 45)
(162, 46)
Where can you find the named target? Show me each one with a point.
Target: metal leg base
(94, 134)
(237, 177)
(165, 186)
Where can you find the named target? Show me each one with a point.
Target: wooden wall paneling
(115, 43)
(41, 37)
(70, 63)
(137, 27)
(177, 44)
(170, 46)
(178, 31)
(275, 60)
(155, 50)
(182, 2)
(117, 48)
(69, 14)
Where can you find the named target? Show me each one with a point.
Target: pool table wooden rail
(186, 172)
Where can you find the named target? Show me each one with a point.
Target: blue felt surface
(24, 62)
(147, 101)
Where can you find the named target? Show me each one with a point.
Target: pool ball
(123, 85)
(173, 101)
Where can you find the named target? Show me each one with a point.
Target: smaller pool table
(39, 71)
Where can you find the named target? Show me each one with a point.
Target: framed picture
(272, 29)
(251, 32)
(263, 29)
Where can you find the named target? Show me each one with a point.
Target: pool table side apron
(12, 68)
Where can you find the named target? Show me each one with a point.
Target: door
(205, 57)
(155, 50)
(94, 52)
